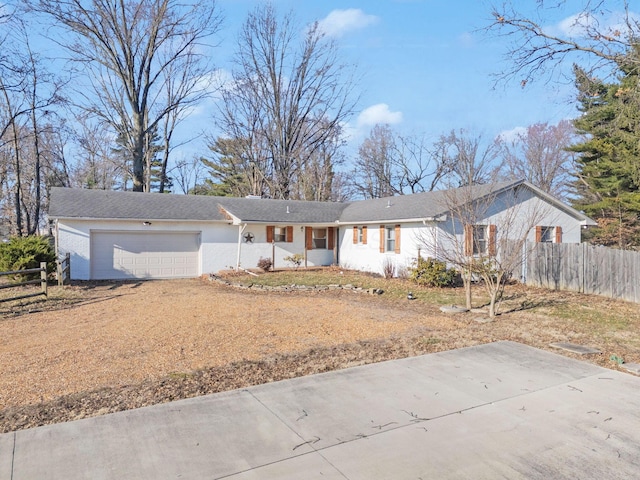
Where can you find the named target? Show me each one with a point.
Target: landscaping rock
(453, 309)
(483, 319)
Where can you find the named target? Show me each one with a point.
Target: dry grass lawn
(96, 348)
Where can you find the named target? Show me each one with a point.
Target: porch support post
(241, 229)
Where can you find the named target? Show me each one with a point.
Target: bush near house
(295, 260)
(265, 264)
(432, 273)
(22, 253)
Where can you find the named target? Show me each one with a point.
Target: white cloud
(340, 22)
(513, 134)
(581, 24)
(466, 40)
(575, 25)
(378, 114)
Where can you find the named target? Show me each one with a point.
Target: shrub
(22, 253)
(296, 259)
(265, 264)
(432, 273)
(388, 268)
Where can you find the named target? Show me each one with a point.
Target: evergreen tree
(233, 174)
(608, 183)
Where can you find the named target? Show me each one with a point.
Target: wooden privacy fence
(42, 281)
(581, 267)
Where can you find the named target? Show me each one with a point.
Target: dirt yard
(115, 346)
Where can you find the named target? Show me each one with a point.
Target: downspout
(436, 241)
(55, 237)
(241, 229)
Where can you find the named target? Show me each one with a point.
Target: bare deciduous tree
(29, 93)
(100, 167)
(470, 161)
(391, 164)
(540, 156)
(287, 99)
(127, 49)
(373, 173)
(189, 174)
(600, 35)
(317, 181)
(421, 168)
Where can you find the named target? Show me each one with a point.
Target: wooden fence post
(43, 277)
(63, 269)
(59, 272)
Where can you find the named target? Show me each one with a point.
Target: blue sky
(425, 67)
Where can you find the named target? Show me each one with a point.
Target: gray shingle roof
(417, 206)
(104, 204)
(107, 204)
(282, 211)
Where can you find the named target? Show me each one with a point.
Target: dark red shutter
(468, 240)
(558, 234)
(308, 235)
(492, 240)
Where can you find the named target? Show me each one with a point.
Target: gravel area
(114, 346)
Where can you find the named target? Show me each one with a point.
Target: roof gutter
(424, 220)
(137, 219)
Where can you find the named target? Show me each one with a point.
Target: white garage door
(121, 255)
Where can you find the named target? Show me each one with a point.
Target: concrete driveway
(501, 410)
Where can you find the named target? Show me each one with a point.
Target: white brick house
(119, 235)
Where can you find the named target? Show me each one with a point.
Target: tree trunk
(33, 228)
(466, 280)
(138, 155)
(18, 174)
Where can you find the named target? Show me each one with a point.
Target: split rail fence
(581, 267)
(42, 281)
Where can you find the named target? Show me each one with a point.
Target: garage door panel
(119, 255)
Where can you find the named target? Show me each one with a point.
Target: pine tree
(232, 172)
(609, 158)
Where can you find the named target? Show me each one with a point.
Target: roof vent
(288, 209)
(388, 203)
(254, 197)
